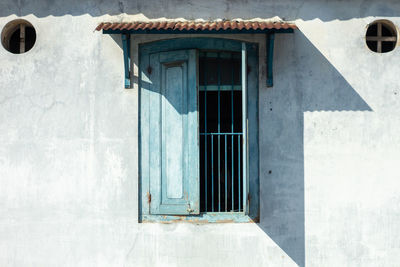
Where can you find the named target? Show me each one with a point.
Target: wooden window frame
(251, 214)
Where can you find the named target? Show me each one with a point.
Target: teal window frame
(251, 213)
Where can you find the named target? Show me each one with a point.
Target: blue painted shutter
(174, 146)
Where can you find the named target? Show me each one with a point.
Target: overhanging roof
(223, 26)
(179, 27)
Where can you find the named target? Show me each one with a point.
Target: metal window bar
(219, 130)
(205, 138)
(232, 130)
(221, 114)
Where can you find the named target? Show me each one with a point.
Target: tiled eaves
(196, 26)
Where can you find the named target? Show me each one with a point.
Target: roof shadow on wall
(206, 9)
(313, 85)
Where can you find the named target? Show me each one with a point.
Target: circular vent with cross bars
(381, 36)
(18, 36)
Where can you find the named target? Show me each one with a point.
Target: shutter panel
(174, 146)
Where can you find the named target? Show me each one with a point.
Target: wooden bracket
(126, 46)
(270, 58)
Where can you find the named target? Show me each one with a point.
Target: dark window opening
(221, 148)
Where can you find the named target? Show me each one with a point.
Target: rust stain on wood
(148, 197)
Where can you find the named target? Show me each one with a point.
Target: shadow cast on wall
(315, 85)
(305, 81)
(325, 10)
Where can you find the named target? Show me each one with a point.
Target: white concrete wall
(329, 143)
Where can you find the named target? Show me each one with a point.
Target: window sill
(209, 217)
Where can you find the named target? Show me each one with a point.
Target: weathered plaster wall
(329, 143)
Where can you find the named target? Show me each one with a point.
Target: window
(18, 36)
(381, 36)
(199, 130)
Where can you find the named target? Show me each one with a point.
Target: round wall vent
(18, 36)
(381, 36)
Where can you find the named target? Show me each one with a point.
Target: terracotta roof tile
(196, 26)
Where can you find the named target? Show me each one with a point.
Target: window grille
(221, 133)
